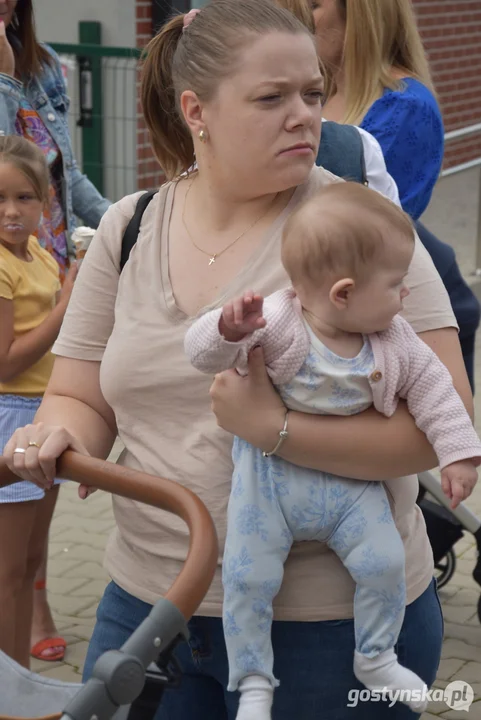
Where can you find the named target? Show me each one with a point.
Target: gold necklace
(213, 256)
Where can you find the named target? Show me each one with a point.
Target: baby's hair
(29, 160)
(344, 230)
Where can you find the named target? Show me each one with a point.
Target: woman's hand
(7, 58)
(67, 287)
(249, 406)
(42, 445)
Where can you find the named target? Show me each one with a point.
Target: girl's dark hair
(29, 54)
(29, 160)
(198, 59)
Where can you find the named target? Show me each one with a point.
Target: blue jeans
(313, 661)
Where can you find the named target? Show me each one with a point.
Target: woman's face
(7, 10)
(264, 122)
(330, 31)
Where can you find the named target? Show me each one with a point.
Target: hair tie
(189, 17)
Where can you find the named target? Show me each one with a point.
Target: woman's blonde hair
(198, 59)
(381, 35)
(29, 160)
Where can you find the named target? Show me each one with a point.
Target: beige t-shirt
(162, 407)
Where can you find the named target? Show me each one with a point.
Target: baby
(333, 344)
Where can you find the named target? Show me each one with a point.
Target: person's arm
(409, 129)
(83, 423)
(211, 351)
(10, 88)
(74, 414)
(223, 338)
(74, 401)
(367, 446)
(18, 354)
(88, 203)
(426, 385)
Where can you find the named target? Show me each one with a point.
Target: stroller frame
(132, 680)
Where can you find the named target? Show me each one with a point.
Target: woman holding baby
(241, 85)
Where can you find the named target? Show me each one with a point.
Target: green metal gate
(104, 116)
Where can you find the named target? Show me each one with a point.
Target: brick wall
(451, 31)
(148, 171)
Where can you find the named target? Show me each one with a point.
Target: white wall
(57, 20)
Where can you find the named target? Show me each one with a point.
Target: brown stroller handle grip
(193, 581)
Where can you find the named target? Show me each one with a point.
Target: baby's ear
(341, 292)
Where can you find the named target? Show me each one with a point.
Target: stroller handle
(193, 581)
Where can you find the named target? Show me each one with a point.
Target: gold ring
(32, 443)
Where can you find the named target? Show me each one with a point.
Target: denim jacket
(48, 96)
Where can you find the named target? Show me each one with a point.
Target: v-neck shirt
(135, 329)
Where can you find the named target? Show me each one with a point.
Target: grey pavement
(76, 578)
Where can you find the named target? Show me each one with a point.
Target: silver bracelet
(283, 434)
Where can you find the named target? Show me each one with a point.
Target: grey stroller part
(31, 695)
(118, 676)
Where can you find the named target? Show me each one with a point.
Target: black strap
(132, 230)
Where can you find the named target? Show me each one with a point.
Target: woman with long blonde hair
(377, 77)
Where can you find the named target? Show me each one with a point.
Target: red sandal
(48, 643)
(40, 647)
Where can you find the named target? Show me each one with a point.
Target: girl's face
(264, 121)
(7, 10)
(20, 208)
(330, 31)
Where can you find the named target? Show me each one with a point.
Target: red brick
(451, 30)
(143, 11)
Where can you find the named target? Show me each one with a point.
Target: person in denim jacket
(34, 104)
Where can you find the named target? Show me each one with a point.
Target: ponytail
(170, 136)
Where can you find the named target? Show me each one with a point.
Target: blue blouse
(408, 125)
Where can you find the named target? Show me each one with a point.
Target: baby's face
(364, 305)
(374, 304)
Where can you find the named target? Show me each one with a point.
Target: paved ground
(80, 529)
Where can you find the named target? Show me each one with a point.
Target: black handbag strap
(132, 230)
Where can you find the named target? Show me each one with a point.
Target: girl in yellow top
(32, 307)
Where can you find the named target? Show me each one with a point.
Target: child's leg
(368, 543)
(35, 554)
(43, 626)
(16, 524)
(257, 544)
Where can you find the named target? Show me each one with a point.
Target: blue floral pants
(274, 504)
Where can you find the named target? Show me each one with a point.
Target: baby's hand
(458, 481)
(242, 316)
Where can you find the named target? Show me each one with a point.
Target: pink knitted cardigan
(405, 367)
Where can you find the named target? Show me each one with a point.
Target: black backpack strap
(341, 151)
(132, 230)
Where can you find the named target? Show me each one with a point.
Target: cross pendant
(212, 259)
